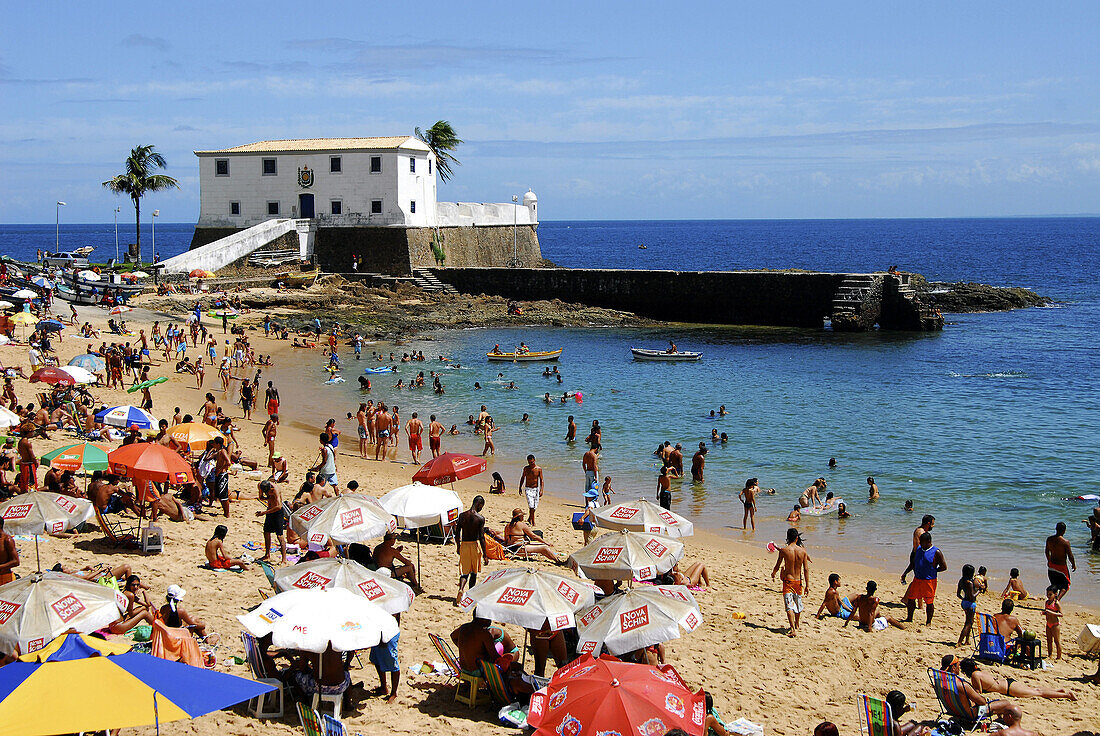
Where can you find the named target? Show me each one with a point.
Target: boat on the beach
(664, 355)
(525, 357)
(299, 280)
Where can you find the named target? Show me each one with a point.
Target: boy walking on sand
(795, 564)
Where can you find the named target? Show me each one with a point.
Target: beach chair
(311, 722)
(269, 573)
(875, 718)
(259, 706)
(991, 645)
(448, 656)
(119, 532)
(953, 703)
(494, 680)
(333, 726)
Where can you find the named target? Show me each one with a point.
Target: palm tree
(138, 179)
(441, 138)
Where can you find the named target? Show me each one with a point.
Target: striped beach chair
(448, 656)
(498, 689)
(954, 704)
(875, 718)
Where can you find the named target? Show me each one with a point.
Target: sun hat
(176, 592)
(591, 493)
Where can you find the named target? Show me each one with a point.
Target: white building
(338, 182)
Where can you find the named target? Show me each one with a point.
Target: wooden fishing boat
(664, 355)
(530, 357)
(297, 280)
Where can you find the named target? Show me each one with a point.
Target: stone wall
(788, 299)
(477, 246)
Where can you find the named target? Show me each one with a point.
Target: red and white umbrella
(120, 309)
(44, 513)
(638, 617)
(606, 696)
(37, 608)
(393, 596)
(344, 519)
(643, 516)
(628, 556)
(529, 598)
(448, 468)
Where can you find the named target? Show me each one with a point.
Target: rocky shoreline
(968, 296)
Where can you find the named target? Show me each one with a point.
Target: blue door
(305, 206)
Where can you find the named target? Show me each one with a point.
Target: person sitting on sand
(497, 486)
(981, 582)
(279, 471)
(521, 539)
(1011, 718)
(833, 603)
(987, 682)
(692, 575)
(1014, 589)
(866, 605)
(216, 556)
(978, 702)
(174, 616)
(388, 555)
(898, 707)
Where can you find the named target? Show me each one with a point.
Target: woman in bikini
(520, 539)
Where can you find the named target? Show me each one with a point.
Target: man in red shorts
(926, 562)
(414, 428)
(435, 436)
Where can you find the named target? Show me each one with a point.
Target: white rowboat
(664, 355)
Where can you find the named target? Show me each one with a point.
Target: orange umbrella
(149, 461)
(194, 434)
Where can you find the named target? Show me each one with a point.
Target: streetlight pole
(57, 227)
(515, 229)
(156, 213)
(117, 210)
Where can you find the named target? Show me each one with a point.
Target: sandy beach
(749, 665)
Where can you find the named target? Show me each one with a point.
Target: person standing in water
(1058, 551)
(748, 498)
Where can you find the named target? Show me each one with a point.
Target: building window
(334, 165)
(429, 167)
(376, 206)
(412, 207)
(221, 167)
(412, 165)
(337, 207)
(376, 164)
(272, 208)
(269, 167)
(234, 208)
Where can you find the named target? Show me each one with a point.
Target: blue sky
(609, 110)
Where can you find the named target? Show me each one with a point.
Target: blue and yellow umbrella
(38, 697)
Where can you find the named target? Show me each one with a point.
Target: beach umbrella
(194, 434)
(6, 305)
(219, 313)
(347, 518)
(393, 596)
(49, 325)
(25, 294)
(417, 505)
(607, 696)
(36, 608)
(81, 456)
(123, 690)
(529, 598)
(89, 362)
(24, 318)
(643, 516)
(140, 275)
(52, 375)
(88, 275)
(78, 374)
(44, 513)
(120, 309)
(638, 617)
(313, 619)
(9, 418)
(127, 416)
(197, 273)
(150, 462)
(448, 468)
(42, 281)
(100, 645)
(628, 556)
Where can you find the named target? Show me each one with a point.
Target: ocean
(991, 425)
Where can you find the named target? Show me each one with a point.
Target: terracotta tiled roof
(323, 144)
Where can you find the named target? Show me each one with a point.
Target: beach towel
(176, 645)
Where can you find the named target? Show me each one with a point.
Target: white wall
(355, 186)
(469, 214)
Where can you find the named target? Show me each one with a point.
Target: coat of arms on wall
(305, 177)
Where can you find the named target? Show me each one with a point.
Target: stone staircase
(908, 311)
(855, 305)
(428, 281)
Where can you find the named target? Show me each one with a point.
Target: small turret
(531, 202)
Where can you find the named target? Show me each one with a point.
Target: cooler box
(581, 526)
(1089, 639)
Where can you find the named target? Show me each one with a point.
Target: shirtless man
(475, 643)
(698, 460)
(664, 490)
(220, 485)
(435, 436)
(748, 498)
(872, 489)
(1011, 718)
(388, 555)
(795, 563)
(470, 538)
(676, 462)
(361, 426)
(591, 464)
(271, 396)
(28, 464)
(1008, 626)
(866, 609)
(833, 603)
(414, 428)
(382, 422)
(1058, 550)
(279, 471)
(926, 524)
(570, 427)
(273, 518)
(216, 556)
(987, 682)
(531, 485)
(9, 555)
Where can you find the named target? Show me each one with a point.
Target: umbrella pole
(156, 712)
(38, 558)
(523, 662)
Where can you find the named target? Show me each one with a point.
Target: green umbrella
(81, 455)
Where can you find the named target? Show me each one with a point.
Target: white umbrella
(4, 339)
(529, 598)
(37, 608)
(6, 305)
(25, 294)
(88, 275)
(313, 619)
(9, 418)
(643, 516)
(44, 513)
(42, 281)
(628, 556)
(392, 596)
(140, 274)
(120, 309)
(80, 375)
(351, 517)
(417, 505)
(636, 618)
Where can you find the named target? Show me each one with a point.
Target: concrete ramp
(279, 234)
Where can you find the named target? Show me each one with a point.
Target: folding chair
(119, 532)
(311, 722)
(498, 689)
(258, 706)
(448, 656)
(875, 718)
(269, 573)
(954, 704)
(333, 726)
